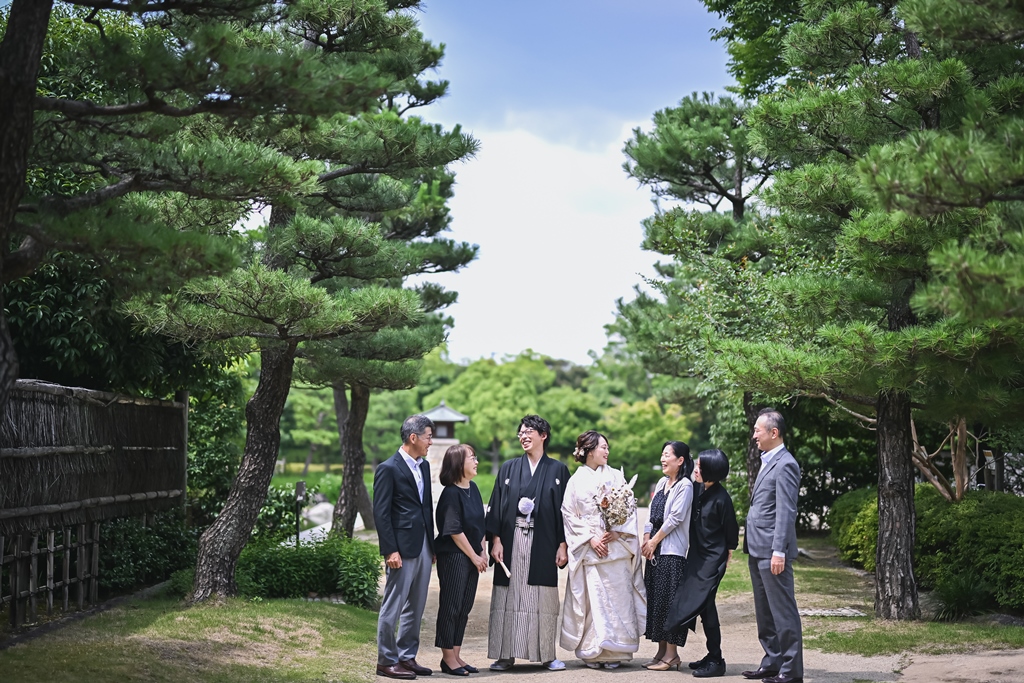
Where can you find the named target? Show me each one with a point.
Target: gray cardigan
(676, 526)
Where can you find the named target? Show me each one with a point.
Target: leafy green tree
(699, 153)
(309, 423)
(327, 267)
(496, 396)
(636, 434)
(570, 412)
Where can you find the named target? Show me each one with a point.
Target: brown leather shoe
(395, 671)
(760, 672)
(413, 666)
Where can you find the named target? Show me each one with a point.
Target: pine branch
(83, 108)
(864, 418)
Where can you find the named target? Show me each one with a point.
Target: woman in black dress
(460, 554)
(666, 538)
(714, 534)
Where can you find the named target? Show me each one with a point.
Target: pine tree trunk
(750, 410)
(20, 54)
(352, 484)
(222, 543)
(340, 414)
(961, 472)
(895, 586)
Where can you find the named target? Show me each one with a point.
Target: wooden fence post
(80, 567)
(33, 578)
(66, 566)
(17, 581)
(49, 572)
(94, 583)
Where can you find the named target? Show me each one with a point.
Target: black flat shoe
(470, 668)
(460, 671)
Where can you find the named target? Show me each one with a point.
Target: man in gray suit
(403, 511)
(770, 541)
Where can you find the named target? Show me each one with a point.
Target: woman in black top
(714, 534)
(460, 554)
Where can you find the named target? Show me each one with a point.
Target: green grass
(161, 640)
(869, 636)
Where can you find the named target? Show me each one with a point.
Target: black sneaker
(710, 669)
(699, 664)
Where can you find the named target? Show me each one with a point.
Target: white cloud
(559, 234)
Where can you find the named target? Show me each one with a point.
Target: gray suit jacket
(771, 520)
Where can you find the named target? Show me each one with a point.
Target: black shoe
(759, 673)
(699, 664)
(711, 669)
(471, 669)
(460, 671)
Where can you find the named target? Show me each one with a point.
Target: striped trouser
(524, 618)
(457, 578)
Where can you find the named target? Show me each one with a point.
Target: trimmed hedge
(135, 555)
(981, 536)
(269, 569)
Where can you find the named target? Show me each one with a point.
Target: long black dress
(661, 578)
(713, 533)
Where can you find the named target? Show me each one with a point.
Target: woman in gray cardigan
(666, 541)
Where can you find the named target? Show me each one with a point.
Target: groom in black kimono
(524, 525)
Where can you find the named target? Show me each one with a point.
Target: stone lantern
(444, 418)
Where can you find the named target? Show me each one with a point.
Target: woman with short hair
(460, 554)
(714, 534)
(666, 541)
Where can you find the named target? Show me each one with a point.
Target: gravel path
(740, 647)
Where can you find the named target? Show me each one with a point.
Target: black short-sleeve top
(459, 511)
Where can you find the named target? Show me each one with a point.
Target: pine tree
(699, 153)
(328, 265)
(873, 83)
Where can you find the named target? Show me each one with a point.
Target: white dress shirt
(417, 473)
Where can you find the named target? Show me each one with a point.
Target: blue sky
(552, 91)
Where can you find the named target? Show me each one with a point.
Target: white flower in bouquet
(616, 503)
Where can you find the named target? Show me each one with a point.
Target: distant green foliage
(135, 555)
(977, 542)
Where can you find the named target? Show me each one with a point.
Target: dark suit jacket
(402, 520)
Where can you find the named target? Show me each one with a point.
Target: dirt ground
(740, 648)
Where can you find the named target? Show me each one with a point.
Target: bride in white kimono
(602, 620)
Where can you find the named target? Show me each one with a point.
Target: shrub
(854, 523)
(276, 520)
(180, 584)
(271, 570)
(359, 573)
(977, 543)
(135, 555)
(330, 486)
(960, 595)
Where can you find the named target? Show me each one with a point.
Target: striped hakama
(524, 618)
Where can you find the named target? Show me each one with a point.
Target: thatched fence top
(72, 456)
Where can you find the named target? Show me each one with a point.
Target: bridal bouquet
(616, 503)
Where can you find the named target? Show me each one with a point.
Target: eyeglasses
(526, 432)
(473, 458)
(426, 436)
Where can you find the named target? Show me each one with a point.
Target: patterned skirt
(662, 581)
(524, 618)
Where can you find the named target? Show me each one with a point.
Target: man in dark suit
(770, 541)
(403, 513)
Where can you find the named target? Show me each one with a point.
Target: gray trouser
(778, 620)
(405, 596)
